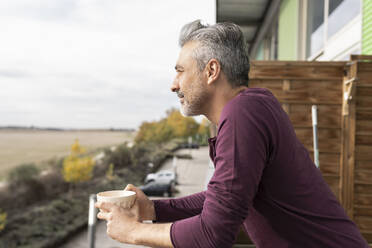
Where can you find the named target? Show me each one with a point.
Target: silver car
(162, 177)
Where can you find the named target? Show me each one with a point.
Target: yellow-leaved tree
(76, 167)
(175, 125)
(3, 216)
(182, 126)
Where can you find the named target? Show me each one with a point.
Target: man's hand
(121, 223)
(124, 225)
(146, 206)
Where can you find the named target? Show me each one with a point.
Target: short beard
(198, 98)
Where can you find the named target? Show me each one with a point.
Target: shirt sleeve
(171, 210)
(241, 152)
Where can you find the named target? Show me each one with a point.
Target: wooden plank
(364, 82)
(317, 85)
(286, 107)
(364, 140)
(332, 146)
(308, 96)
(268, 84)
(324, 134)
(333, 182)
(360, 57)
(363, 165)
(364, 91)
(364, 223)
(364, 101)
(363, 176)
(365, 67)
(348, 126)
(258, 63)
(363, 200)
(362, 156)
(362, 210)
(286, 87)
(365, 125)
(365, 76)
(364, 148)
(328, 139)
(329, 116)
(364, 114)
(363, 188)
(327, 157)
(322, 109)
(329, 163)
(310, 91)
(291, 71)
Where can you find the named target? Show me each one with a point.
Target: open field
(23, 146)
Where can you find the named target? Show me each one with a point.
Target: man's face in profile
(188, 83)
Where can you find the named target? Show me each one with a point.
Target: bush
(121, 157)
(110, 172)
(46, 226)
(23, 174)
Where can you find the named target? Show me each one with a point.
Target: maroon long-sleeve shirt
(264, 180)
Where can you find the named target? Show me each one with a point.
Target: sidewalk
(192, 176)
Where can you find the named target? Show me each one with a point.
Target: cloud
(104, 63)
(13, 73)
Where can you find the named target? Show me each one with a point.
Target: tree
(77, 168)
(204, 132)
(3, 217)
(204, 128)
(173, 126)
(182, 126)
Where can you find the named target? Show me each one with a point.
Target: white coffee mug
(121, 198)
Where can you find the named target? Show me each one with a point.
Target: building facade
(329, 30)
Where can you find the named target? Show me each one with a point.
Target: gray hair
(223, 42)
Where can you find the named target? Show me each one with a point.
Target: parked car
(158, 189)
(163, 177)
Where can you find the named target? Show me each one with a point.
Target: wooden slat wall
(363, 150)
(299, 85)
(344, 126)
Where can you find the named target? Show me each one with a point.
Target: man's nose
(175, 86)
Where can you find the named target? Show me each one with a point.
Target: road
(192, 176)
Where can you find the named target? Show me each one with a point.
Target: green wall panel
(288, 30)
(367, 27)
(260, 52)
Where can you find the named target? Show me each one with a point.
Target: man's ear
(213, 69)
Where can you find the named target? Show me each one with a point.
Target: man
(264, 178)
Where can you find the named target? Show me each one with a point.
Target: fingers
(104, 216)
(139, 192)
(105, 206)
(131, 187)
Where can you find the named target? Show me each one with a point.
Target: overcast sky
(90, 63)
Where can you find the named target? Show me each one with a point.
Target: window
(315, 27)
(340, 13)
(324, 19)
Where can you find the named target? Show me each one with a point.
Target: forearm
(171, 210)
(153, 235)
